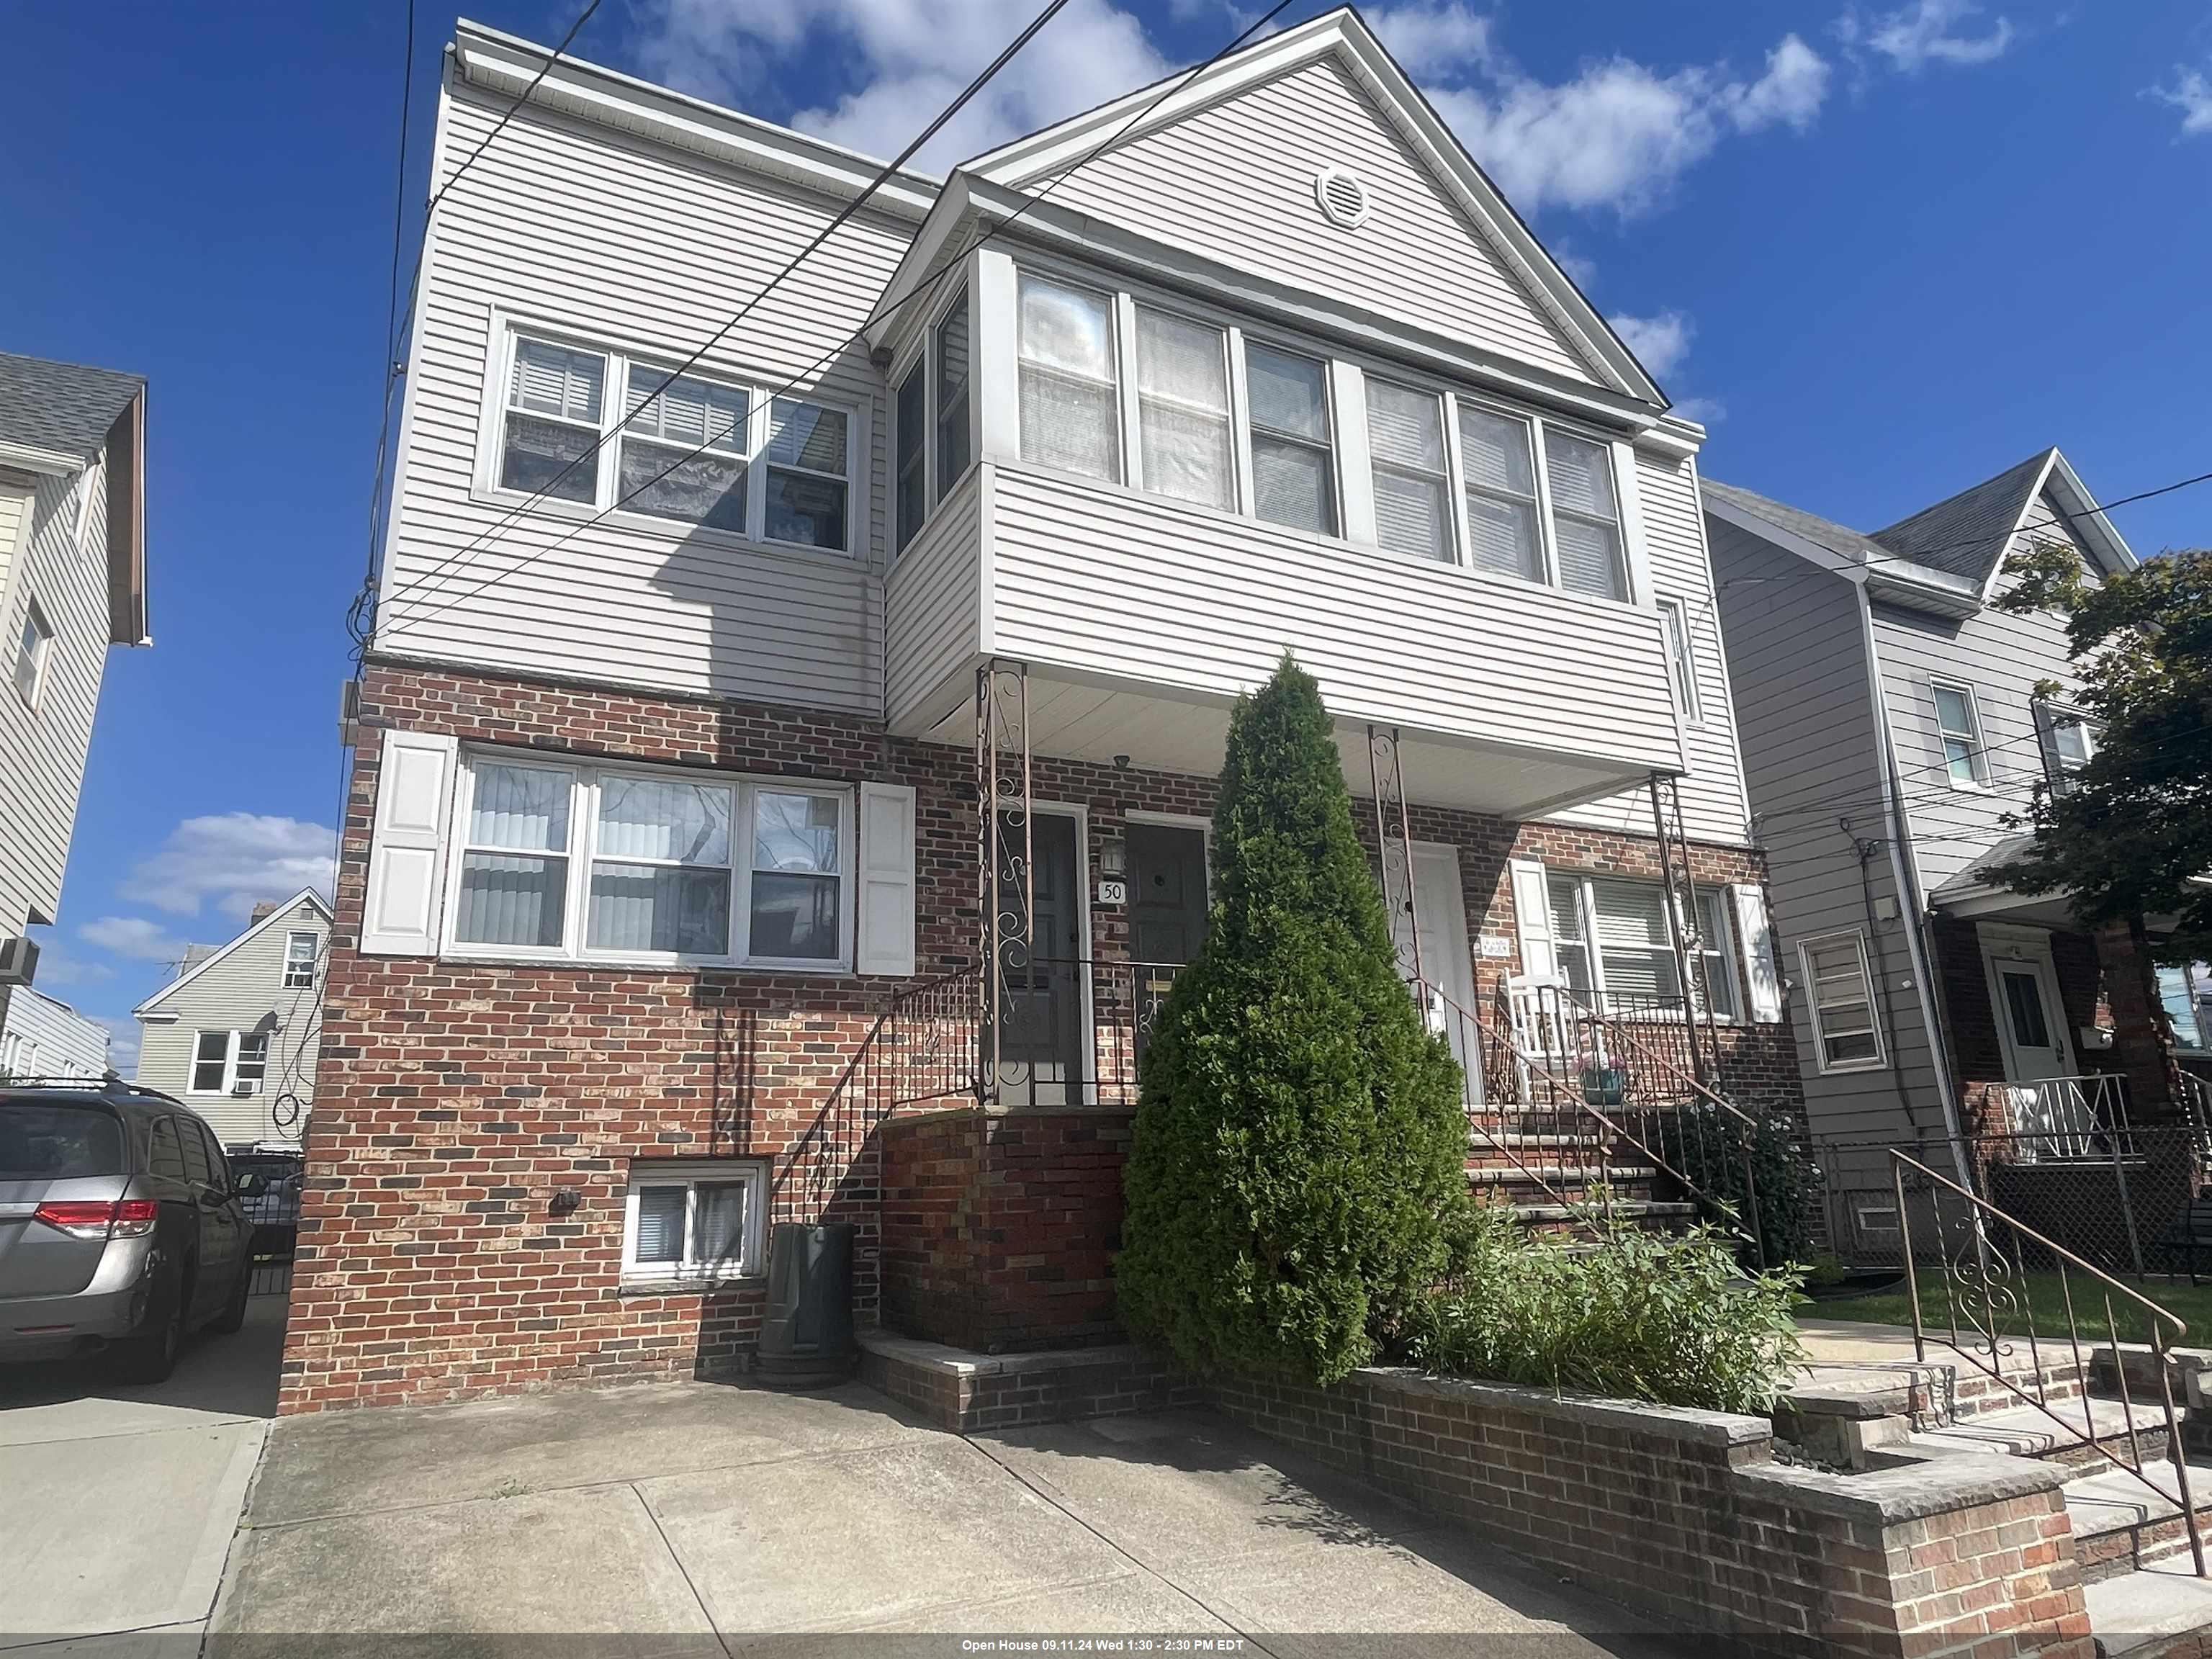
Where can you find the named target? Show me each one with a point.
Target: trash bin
(806, 1338)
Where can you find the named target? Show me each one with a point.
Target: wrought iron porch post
(1681, 925)
(1005, 897)
(1387, 782)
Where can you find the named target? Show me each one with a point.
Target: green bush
(1638, 1316)
(1299, 1146)
(1708, 1145)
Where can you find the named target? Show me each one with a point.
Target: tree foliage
(1298, 1158)
(2133, 836)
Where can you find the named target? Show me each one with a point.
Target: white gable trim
(1342, 35)
(2088, 520)
(2004, 548)
(306, 895)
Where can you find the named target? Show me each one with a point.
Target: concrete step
(1506, 1175)
(1642, 1212)
(2090, 1436)
(2121, 1524)
(2158, 1612)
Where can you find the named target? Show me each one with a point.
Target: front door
(1167, 915)
(1440, 912)
(2030, 1017)
(1041, 980)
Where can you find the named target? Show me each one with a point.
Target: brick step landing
(2161, 1611)
(2064, 1435)
(2121, 1525)
(963, 1391)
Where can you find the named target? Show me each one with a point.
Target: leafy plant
(1299, 1154)
(1713, 1149)
(1636, 1315)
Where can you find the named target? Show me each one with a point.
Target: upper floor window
(2070, 743)
(1681, 660)
(1585, 515)
(35, 648)
(1188, 447)
(948, 354)
(911, 487)
(230, 1062)
(583, 862)
(1293, 457)
(1840, 989)
(1070, 395)
(300, 952)
(1412, 491)
(1503, 530)
(1959, 724)
(690, 450)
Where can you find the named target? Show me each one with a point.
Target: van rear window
(48, 1141)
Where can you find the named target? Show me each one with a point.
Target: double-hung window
(948, 346)
(911, 406)
(1681, 661)
(1412, 488)
(687, 450)
(2070, 743)
(1187, 447)
(694, 1221)
(1070, 395)
(1959, 726)
(1293, 456)
(1503, 529)
(230, 1062)
(1840, 989)
(620, 864)
(1585, 515)
(1613, 945)
(300, 952)
(33, 648)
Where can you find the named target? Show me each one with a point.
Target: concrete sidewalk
(704, 1517)
(120, 1502)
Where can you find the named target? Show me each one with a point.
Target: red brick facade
(475, 1123)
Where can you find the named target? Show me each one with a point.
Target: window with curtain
(911, 483)
(948, 352)
(1585, 515)
(660, 867)
(1840, 990)
(1182, 409)
(1958, 725)
(683, 450)
(1412, 483)
(1681, 663)
(514, 867)
(695, 1221)
(807, 474)
(1612, 940)
(797, 887)
(554, 407)
(1069, 390)
(300, 950)
(1500, 466)
(1294, 463)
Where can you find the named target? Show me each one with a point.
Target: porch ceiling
(1077, 720)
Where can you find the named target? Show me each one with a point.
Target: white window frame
(291, 965)
(2052, 716)
(1681, 659)
(1978, 755)
(34, 645)
(233, 1041)
(761, 390)
(920, 350)
(1724, 950)
(1118, 349)
(1126, 307)
(690, 1174)
(584, 776)
(1856, 940)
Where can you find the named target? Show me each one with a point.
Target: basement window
(688, 1222)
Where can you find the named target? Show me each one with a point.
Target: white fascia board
(282, 912)
(28, 458)
(506, 64)
(1988, 585)
(1075, 235)
(2089, 519)
(944, 228)
(1823, 558)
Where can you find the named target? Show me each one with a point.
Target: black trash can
(806, 1339)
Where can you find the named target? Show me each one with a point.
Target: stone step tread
(2029, 1431)
(2114, 1500)
(1503, 1173)
(2132, 1611)
(1622, 1209)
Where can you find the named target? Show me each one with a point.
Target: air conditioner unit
(246, 1088)
(19, 960)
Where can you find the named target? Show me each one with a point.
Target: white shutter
(887, 885)
(1755, 928)
(407, 857)
(1532, 915)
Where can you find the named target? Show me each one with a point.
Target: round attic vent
(1343, 198)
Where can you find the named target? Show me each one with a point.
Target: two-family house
(42, 1037)
(72, 583)
(1895, 723)
(237, 1034)
(787, 688)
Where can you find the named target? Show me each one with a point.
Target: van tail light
(123, 1217)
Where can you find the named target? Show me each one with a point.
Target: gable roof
(59, 418)
(1967, 533)
(1848, 544)
(1344, 35)
(282, 913)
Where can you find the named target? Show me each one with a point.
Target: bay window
(626, 864)
(1413, 492)
(1069, 387)
(912, 484)
(1293, 457)
(1186, 447)
(1613, 943)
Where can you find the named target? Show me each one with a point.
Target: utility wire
(433, 605)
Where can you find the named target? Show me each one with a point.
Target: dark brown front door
(1043, 984)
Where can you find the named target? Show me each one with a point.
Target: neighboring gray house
(234, 1035)
(1890, 723)
(43, 1036)
(72, 583)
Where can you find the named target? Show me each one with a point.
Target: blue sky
(1885, 250)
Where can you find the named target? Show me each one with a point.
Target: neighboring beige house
(72, 583)
(235, 1035)
(43, 1036)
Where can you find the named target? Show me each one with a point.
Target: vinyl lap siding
(1236, 182)
(623, 244)
(934, 620)
(1811, 757)
(46, 1038)
(42, 750)
(1713, 806)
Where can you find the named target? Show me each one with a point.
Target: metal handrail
(1982, 1281)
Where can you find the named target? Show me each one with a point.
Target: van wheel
(233, 1317)
(151, 1355)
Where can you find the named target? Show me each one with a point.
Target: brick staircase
(1547, 1180)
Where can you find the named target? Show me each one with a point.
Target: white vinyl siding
(1839, 998)
(46, 1038)
(688, 1222)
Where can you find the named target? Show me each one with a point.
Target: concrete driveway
(118, 1503)
(698, 1519)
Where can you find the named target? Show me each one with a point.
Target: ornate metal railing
(1073, 1031)
(1989, 1264)
(2065, 1119)
(2197, 1107)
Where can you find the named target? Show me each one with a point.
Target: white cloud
(57, 967)
(1928, 32)
(1660, 343)
(2191, 94)
(1432, 40)
(909, 57)
(233, 859)
(134, 937)
(1705, 411)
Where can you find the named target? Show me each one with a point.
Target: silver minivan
(121, 1227)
